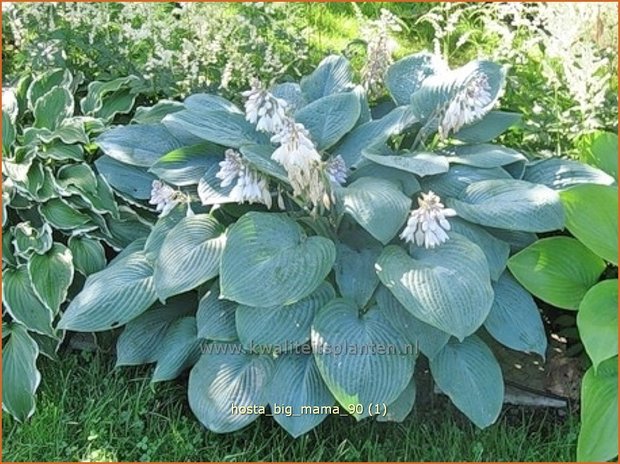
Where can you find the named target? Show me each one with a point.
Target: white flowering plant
(310, 247)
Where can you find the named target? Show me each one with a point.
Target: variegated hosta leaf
(51, 275)
(53, 108)
(297, 384)
(332, 75)
(28, 239)
(342, 342)
(405, 76)
(112, 297)
(88, 255)
(154, 114)
(560, 174)
(189, 256)
(510, 204)
(186, 165)
(355, 272)
(421, 164)
(224, 377)
(62, 216)
(448, 287)
(269, 261)
(180, 349)
(46, 81)
(470, 375)
(280, 328)
(106, 99)
(216, 317)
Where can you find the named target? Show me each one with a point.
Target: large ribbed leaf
(88, 255)
(189, 256)
(355, 373)
(489, 127)
(259, 157)
(510, 204)
(448, 287)
(186, 165)
(377, 205)
(297, 384)
(209, 102)
(405, 76)
(51, 274)
(424, 336)
(209, 190)
(421, 164)
(332, 75)
(486, 155)
(225, 378)
(453, 182)
(112, 297)
(180, 349)
(134, 181)
(268, 261)
(280, 328)
(399, 409)
(514, 320)
(20, 300)
(142, 337)
(216, 317)
(592, 217)
(560, 174)
(597, 321)
(291, 93)
(355, 272)
(558, 270)
(161, 229)
(470, 375)
(20, 377)
(407, 182)
(329, 118)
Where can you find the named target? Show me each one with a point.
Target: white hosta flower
(230, 168)
(264, 110)
(165, 198)
(467, 106)
(427, 225)
(251, 187)
(337, 170)
(296, 149)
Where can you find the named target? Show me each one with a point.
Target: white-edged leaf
(51, 275)
(88, 255)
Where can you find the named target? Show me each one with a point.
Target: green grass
(87, 410)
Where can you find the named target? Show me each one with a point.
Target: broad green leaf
(602, 151)
(448, 287)
(597, 321)
(216, 317)
(399, 409)
(558, 270)
(186, 165)
(329, 118)
(470, 375)
(421, 164)
(88, 255)
(61, 151)
(154, 114)
(332, 75)
(8, 134)
(405, 76)
(297, 384)
(53, 108)
(51, 275)
(485, 155)
(488, 128)
(280, 328)
(377, 205)
(458, 177)
(598, 439)
(592, 217)
(189, 256)
(180, 349)
(142, 337)
(106, 99)
(129, 226)
(80, 176)
(45, 82)
(342, 343)
(131, 180)
(355, 272)
(560, 174)
(510, 204)
(112, 297)
(22, 303)
(225, 377)
(269, 261)
(20, 377)
(514, 320)
(62, 216)
(70, 131)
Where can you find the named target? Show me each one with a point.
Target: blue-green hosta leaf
(405, 76)
(217, 126)
(496, 250)
(138, 145)
(407, 182)
(485, 155)
(189, 256)
(341, 343)
(180, 349)
(88, 255)
(259, 157)
(560, 174)
(280, 328)
(291, 93)
(297, 383)
(20, 377)
(112, 297)
(216, 317)
(426, 337)
(488, 128)
(470, 375)
(598, 439)
(448, 287)
(129, 226)
(517, 239)
(268, 261)
(514, 320)
(399, 409)
(329, 118)
(558, 270)
(154, 114)
(53, 108)
(377, 205)
(592, 217)
(209, 189)
(51, 275)
(186, 165)
(458, 177)
(355, 272)
(142, 337)
(22, 303)
(332, 75)
(131, 180)
(373, 133)
(510, 204)
(421, 164)
(161, 229)
(224, 377)
(203, 102)
(597, 321)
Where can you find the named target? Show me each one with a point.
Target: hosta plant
(56, 212)
(575, 273)
(310, 247)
